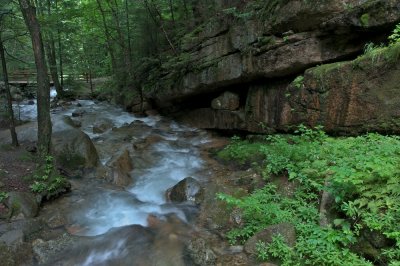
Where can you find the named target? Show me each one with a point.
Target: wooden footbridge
(24, 78)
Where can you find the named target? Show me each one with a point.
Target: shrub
(47, 181)
(363, 177)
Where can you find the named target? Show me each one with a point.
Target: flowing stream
(134, 224)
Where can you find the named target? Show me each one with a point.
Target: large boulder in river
(122, 167)
(72, 122)
(74, 149)
(102, 126)
(188, 189)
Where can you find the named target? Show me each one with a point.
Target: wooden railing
(27, 76)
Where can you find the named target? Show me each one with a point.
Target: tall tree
(51, 56)
(43, 85)
(14, 138)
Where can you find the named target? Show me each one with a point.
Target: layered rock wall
(258, 57)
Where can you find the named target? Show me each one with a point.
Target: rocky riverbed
(142, 193)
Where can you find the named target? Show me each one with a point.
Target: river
(134, 224)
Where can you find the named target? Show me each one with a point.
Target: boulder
(6, 255)
(22, 203)
(13, 238)
(200, 252)
(72, 122)
(74, 149)
(226, 101)
(209, 118)
(286, 230)
(78, 113)
(188, 189)
(147, 142)
(351, 97)
(122, 167)
(102, 126)
(45, 251)
(140, 108)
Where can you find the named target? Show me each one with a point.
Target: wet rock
(122, 167)
(147, 142)
(74, 149)
(13, 238)
(151, 112)
(102, 126)
(140, 108)
(44, 251)
(209, 118)
(189, 189)
(31, 102)
(56, 220)
(24, 203)
(200, 252)
(6, 255)
(226, 101)
(78, 113)
(72, 122)
(286, 230)
(139, 124)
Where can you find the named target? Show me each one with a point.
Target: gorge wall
(285, 63)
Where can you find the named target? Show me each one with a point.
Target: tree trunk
(14, 138)
(43, 85)
(108, 37)
(51, 57)
(60, 50)
(91, 83)
(159, 22)
(171, 10)
(60, 60)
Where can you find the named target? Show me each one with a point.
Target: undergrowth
(362, 175)
(47, 181)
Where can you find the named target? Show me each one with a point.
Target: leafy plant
(241, 151)
(362, 175)
(277, 249)
(395, 36)
(46, 180)
(298, 82)
(3, 196)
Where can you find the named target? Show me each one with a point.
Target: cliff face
(257, 51)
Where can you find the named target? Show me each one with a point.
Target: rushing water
(103, 211)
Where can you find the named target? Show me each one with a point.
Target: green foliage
(380, 53)
(243, 152)
(361, 173)
(26, 157)
(73, 87)
(364, 19)
(246, 14)
(3, 196)
(395, 36)
(277, 249)
(46, 180)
